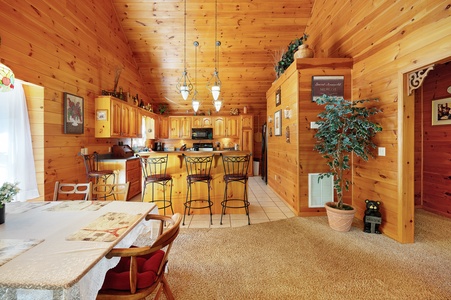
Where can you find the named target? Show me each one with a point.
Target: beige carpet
(302, 258)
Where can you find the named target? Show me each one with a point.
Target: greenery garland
(288, 57)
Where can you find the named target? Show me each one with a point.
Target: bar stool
(154, 172)
(198, 169)
(91, 162)
(235, 170)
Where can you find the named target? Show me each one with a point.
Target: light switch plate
(381, 151)
(314, 125)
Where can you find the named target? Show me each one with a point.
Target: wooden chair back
(168, 231)
(72, 191)
(117, 191)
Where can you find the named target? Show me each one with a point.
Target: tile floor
(265, 206)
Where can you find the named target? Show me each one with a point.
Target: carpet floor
(302, 258)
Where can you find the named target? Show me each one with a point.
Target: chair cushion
(118, 277)
(157, 177)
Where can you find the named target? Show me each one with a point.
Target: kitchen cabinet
(202, 122)
(115, 118)
(180, 127)
(129, 170)
(226, 127)
(163, 130)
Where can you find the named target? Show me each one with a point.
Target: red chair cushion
(118, 278)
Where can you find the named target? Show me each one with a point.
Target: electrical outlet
(381, 151)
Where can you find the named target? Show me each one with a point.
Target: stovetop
(203, 146)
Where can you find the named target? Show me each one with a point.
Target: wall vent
(321, 191)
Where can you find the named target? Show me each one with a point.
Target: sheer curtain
(16, 152)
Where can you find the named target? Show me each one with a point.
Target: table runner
(21, 207)
(105, 228)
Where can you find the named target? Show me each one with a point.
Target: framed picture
(441, 112)
(278, 97)
(73, 114)
(327, 85)
(278, 122)
(102, 115)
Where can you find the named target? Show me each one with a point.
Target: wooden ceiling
(252, 33)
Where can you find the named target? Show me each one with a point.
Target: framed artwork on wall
(327, 85)
(73, 114)
(278, 122)
(102, 115)
(441, 112)
(278, 97)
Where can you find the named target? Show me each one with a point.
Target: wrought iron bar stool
(154, 172)
(198, 169)
(235, 170)
(91, 162)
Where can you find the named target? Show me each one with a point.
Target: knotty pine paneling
(383, 39)
(290, 163)
(69, 46)
(434, 181)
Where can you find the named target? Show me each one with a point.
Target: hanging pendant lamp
(217, 104)
(6, 78)
(195, 102)
(215, 82)
(184, 85)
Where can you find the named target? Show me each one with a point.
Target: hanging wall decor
(73, 114)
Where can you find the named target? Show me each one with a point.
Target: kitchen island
(177, 169)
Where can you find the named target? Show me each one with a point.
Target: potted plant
(344, 128)
(7, 193)
(288, 56)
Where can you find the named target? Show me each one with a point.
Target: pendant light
(6, 78)
(184, 85)
(195, 102)
(215, 82)
(217, 104)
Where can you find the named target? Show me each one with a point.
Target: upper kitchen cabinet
(115, 118)
(226, 127)
(202, 122)
(180, 127)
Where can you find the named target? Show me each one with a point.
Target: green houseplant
(345, 127)
(7, 193)
(288, 56)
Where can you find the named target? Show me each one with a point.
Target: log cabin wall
(385, 39)
(66, 46)
(434, 182)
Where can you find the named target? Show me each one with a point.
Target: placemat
(105, 228)
(78, 205)
(10, 248)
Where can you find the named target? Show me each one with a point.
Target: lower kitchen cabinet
(128, 170)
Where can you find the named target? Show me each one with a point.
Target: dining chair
(118, 191)
(141, 270)
(72, 191)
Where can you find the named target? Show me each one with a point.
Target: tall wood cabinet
(247, 138)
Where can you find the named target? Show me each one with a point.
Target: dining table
(56, 249)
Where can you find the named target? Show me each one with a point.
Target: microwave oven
(202, 133)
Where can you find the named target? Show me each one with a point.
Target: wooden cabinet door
(247, 122)
(133, 127)
(219, 130)
(174, 127)
(202, 122)
(232, 127)
(185, 127)
(163, 127)
(116, 112)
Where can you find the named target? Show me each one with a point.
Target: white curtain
(16, 152)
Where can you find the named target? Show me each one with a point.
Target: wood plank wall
(385, 39)
(67, 46)
(436, 145)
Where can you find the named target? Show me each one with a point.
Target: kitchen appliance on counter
(203, 146)
(202, 133)
(122, 151)
(158, 146)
